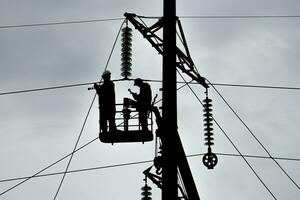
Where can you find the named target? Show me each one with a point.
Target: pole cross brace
(185, 62)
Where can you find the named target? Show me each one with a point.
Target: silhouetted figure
(143, 101)
(107, 101)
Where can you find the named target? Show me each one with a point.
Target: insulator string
(210, 159)
(126, 52)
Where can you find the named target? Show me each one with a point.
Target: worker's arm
(135, 95)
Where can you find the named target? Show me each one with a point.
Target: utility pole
(172, 161)
(169, 103)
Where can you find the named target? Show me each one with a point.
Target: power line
(85, 120)
(75, 147)
(238, 16)
(155, 17)
(60, 23)
(150, 80)
(44, 169)
(235, 147)
(256, 86)
(81, 170)
(75, 85)
(186, 83)
(37, 174)
(247, 127)
(251, 156)
(141, 162)
(254, 136)
(44, 88)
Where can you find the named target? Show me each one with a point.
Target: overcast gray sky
(39, 128)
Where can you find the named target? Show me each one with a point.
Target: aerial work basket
(128, 126)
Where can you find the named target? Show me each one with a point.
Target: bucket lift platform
(126, 136)
(129, 129)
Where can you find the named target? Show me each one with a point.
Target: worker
(107, 101)
(143, 102)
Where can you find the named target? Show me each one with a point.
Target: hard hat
(137, 81)
(105, 73)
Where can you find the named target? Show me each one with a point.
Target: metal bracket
(184, 60)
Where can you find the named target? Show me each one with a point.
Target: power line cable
(60, 23)
(238, 16)
(74, 85)
(190, 82)
(80, 134)
(45, 88)
(226, 16)
(247, 127)
(57, 87)
(75, 147)
(149, 80)
(70, 154)
(139, 162)
(235, 147)
(254, 136)
(44, 169)
(37, 174)
(256, 86)
(81, 170)
(85, 120)
(149, 17)
(249, 156)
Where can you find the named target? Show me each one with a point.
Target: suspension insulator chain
(210, 159)
(126, 52)
(208, 121)
(146, 191)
